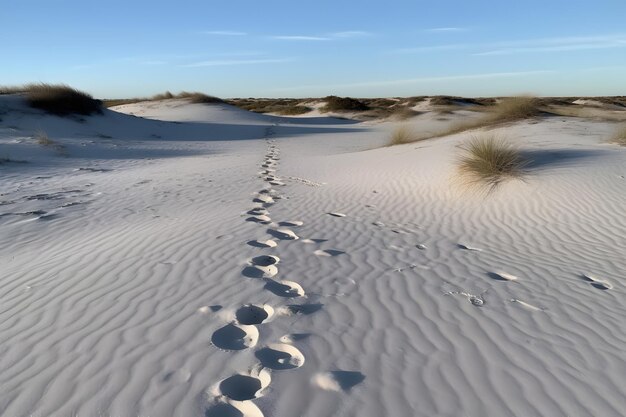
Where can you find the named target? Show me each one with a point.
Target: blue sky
(277, 48)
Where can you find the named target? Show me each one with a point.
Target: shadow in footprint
(265, 260)
(253, 314)
(465, 247)
(280, 359)
(329, 252)
(283, 290)
(232, 337)
(496, 277)
(284, 234)
(257, 271)
(240, 387)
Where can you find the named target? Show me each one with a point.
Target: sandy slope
(141, 285)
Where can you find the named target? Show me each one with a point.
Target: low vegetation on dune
(284, 106)
(343, 104)
(57, 99)
(193, 97)
(620, 136)
(490, 160)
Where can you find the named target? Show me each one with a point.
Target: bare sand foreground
(175, 259)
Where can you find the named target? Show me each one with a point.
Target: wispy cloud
(350, 34)
(446, 29)
(558, 45)
(347, 34)
(432, 48)
(228, 62)
(300, 38)
(223, 33)
(540, 45)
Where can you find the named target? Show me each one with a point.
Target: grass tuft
(57, 99)
(489, 160)
(403, 134)
(42, 138)
(512, 109)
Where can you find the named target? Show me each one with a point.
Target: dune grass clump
(620, 136)
(489, 160)
(401, 135)
(343, 104)
(512, 109)
(57, 99)
(42, 138)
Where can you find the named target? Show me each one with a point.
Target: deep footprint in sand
(259, 271)
(235, 337)
(254, 314)
(242, 387)
(287, 289)
(263, 243)
(329, 252)
(263, 198)
(597, 283)
(467, 247)
(258, 211)
(280, 356)
(265, 260)
(291, 223)
(234, 409)
(283, 234)
(262, 219)
(501, 276)
(336, 214)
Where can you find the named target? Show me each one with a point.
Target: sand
(200, 260)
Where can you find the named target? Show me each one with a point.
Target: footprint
(501, 276)
(263, 219)
(466, 247)
(293, 337)
(265, 260)
(526, 305)
(280, 356)
(337, 380)
(207, 309)
(254, 314)
(335, 214)
(279, 183)
(291, 223)
(287, 289)
(421, 247)
(304, 309)
(262, 198)
(234, 409)
(263, 243)
(314, 240)
(258, 211)
(597, 283)
(241, 387)
(235, 337)
(329, 252)
(259, 271)
(283, 234)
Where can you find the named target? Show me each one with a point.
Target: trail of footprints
(232, 396)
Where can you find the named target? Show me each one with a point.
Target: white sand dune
(380, 286)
